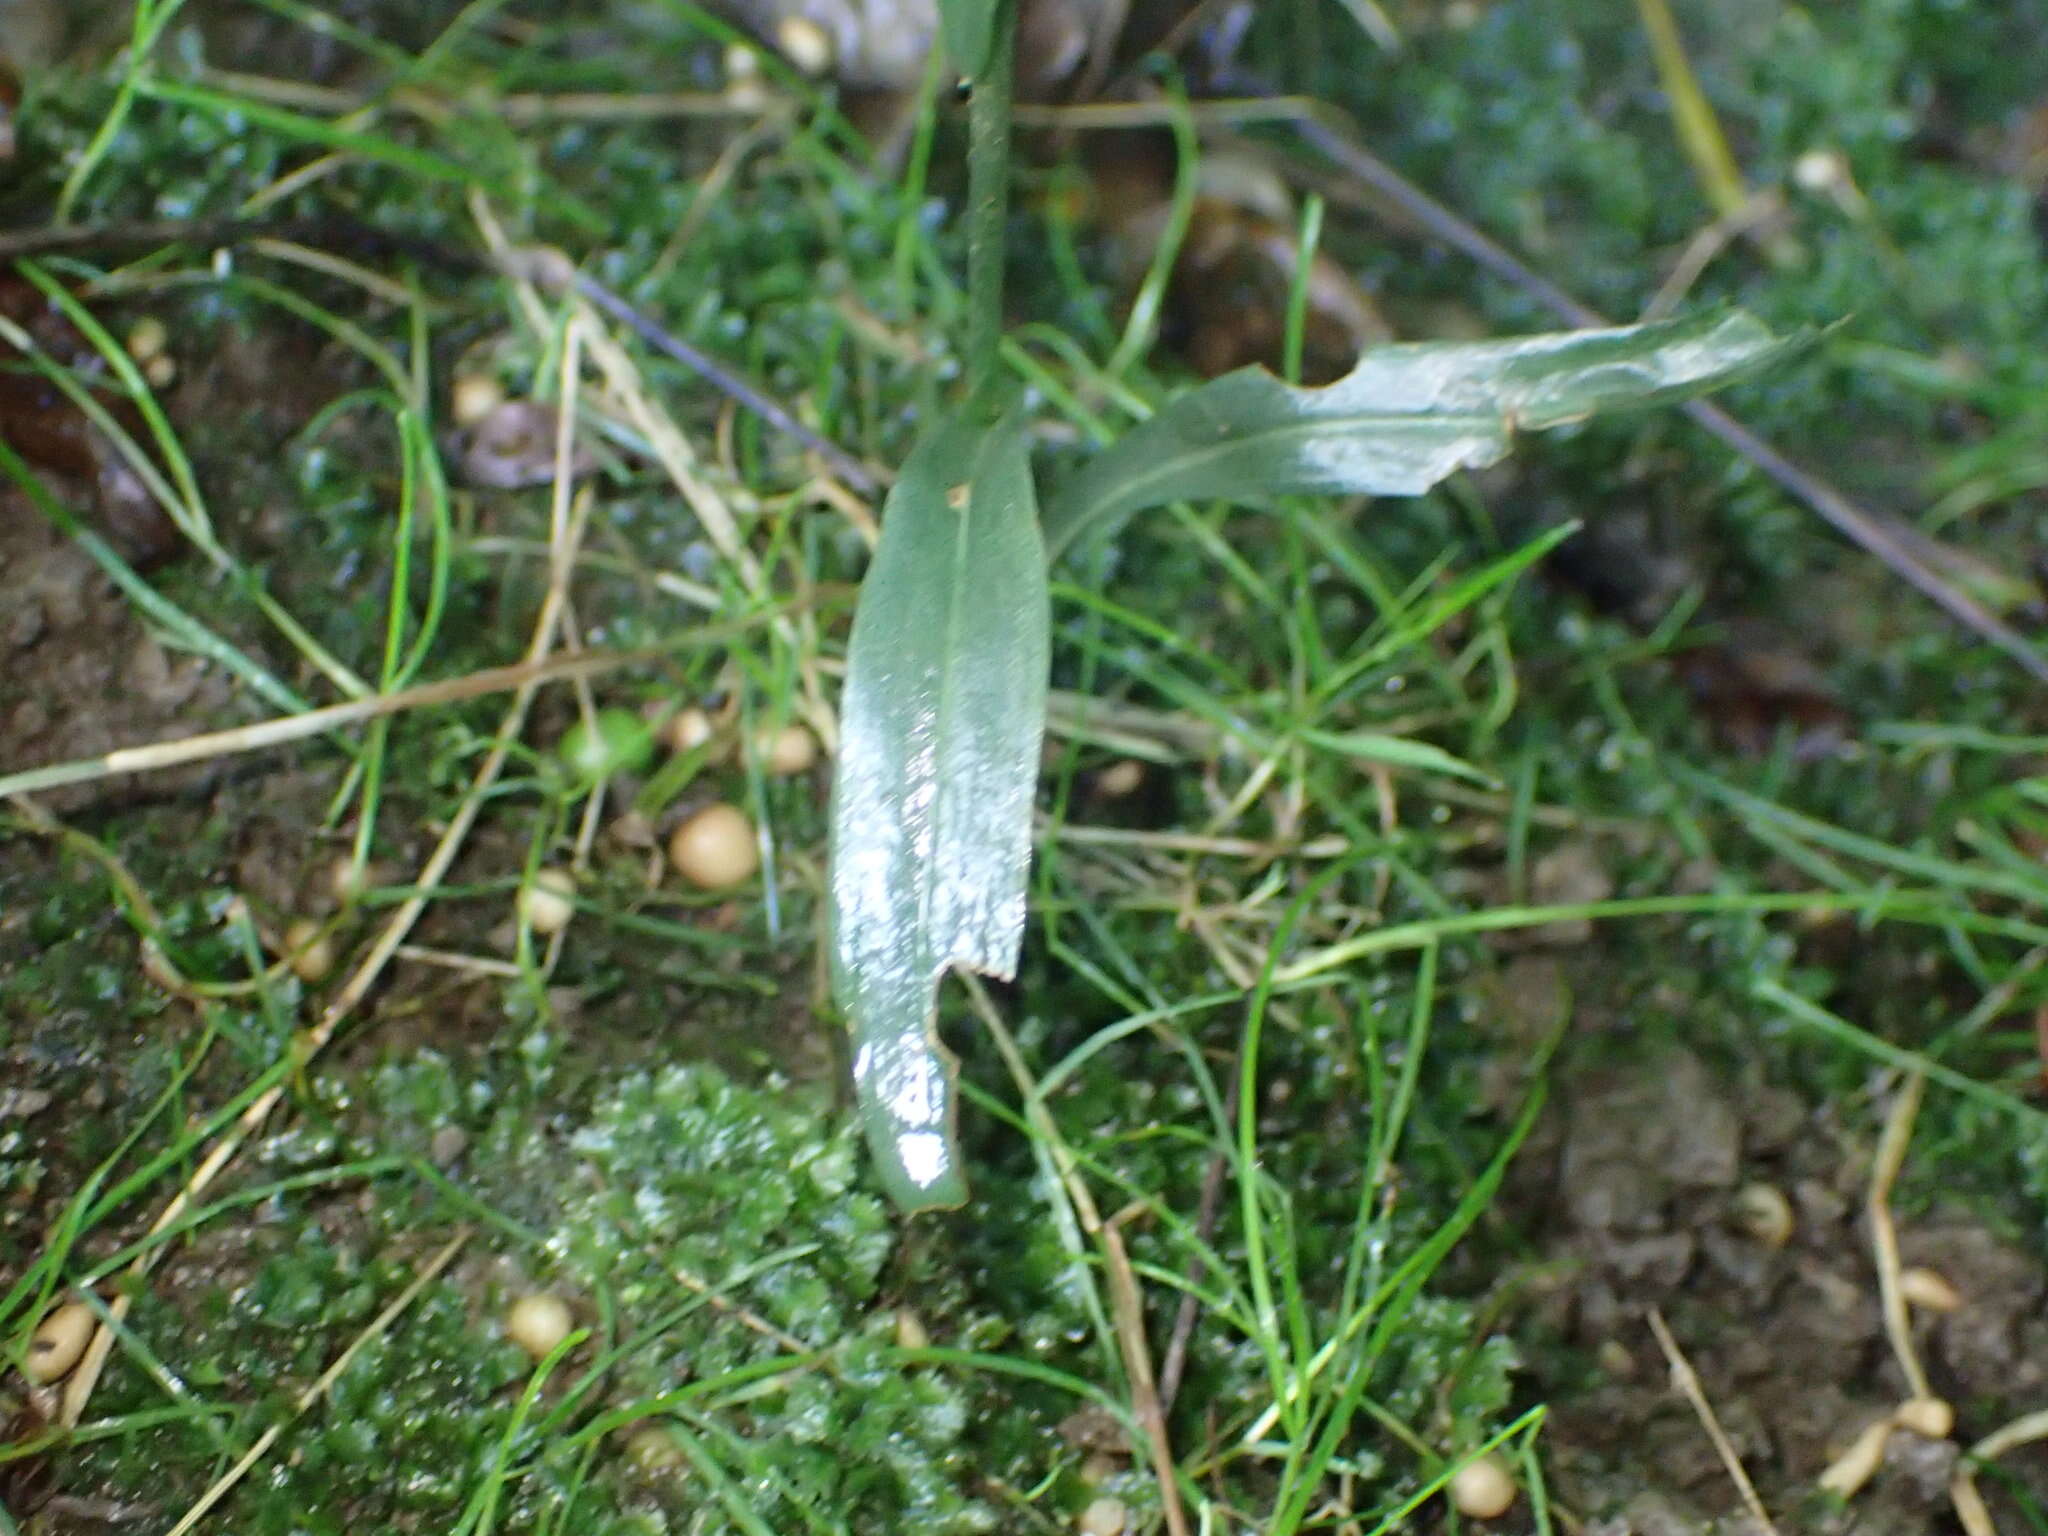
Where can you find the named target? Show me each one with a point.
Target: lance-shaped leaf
(1400, 421)
(940, 727)
(969, 26)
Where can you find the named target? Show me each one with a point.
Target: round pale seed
(147, 339)
(715, 848)
(911, 1332)
(1483, 1488)
(473, 396)
(1104, 1517)
(548, 902)
(788, 751)
(688, 729)
(538, 1323)
(308, 950)
(58, 1342)
(1763, 1212)
(805, 44)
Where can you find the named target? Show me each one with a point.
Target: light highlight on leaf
(941, 723)
(1402, 420)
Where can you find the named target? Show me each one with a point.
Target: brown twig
(1126, 1305)
(1174, 1364)
(1687, 1380)
(377, 1326)
(1128, 1308)
(1962, 1489)
(1884, 1237)
(566, 524)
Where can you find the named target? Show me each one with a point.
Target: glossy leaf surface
(1400, 421)
(941, 722)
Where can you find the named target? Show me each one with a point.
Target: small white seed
(308, 950)
(538, 1323)
(1763, 1212)
(1483, 1488)
(1929, 1290)
(715, 848)
(788, 751)
(473, 396)
(548, 902)
(688, 729)
(1858, 1464)
(161, 371)
(805, 44)
(57, 1343)
(1103, 1517)
(911, 1332)
(1931, 1418)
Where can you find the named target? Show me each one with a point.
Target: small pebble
(538, 1323)
(58, 1342)
(161, 371)
(1103, 1517)
(547, 904)
(791, 750)
(308, 951)
(715, 848)
(1483, 1489)
(447, 1144)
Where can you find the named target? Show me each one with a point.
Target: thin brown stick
(1962, 1488)
(1127, 1306)
(1884, 1237)
(565, 534)
(1174, 1365)
(377, 1326)
(1688, 1382)
(316, 722)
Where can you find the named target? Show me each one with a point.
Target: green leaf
(1402, 420)
(940, 729)
(970, 27)
(1396, 751)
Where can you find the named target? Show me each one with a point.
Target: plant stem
(988, 166)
